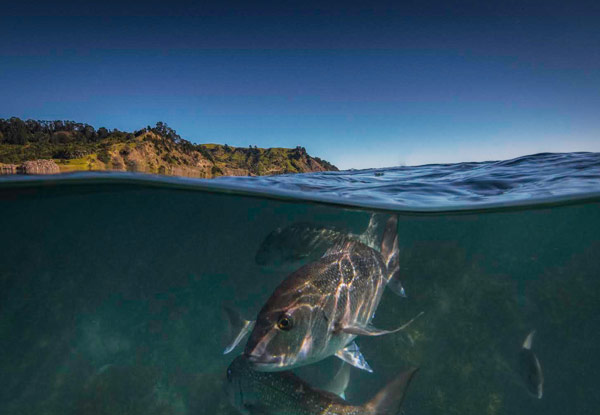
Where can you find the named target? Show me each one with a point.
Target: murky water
(111, 292)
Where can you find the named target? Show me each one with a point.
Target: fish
(297, 242)
(304, 241)
(319, 309)
(283, 393)
(530, 368)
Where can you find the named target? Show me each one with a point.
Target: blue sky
(363, 85)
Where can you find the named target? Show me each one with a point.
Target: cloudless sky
(361, 84)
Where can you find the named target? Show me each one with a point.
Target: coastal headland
(51, 147)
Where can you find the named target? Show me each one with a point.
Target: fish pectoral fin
(351, 355)
(369, 330)
(366, 330)
(247, 328)
(236, 322)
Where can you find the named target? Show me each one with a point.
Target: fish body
(297, 242)
(319, 309)
(305, 241)
(530, 368)
(283, 393)
(342, 288)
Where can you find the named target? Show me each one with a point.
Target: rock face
(31, 167)
(8, 169)
(38, 167)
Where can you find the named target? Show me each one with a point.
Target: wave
(525, 182)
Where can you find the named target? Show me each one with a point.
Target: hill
(34, 147)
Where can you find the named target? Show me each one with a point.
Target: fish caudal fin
(389, 400)
(237, 325)
(391, 255)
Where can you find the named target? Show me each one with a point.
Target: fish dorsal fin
(340, 381)
(389, 400)
(369, 236)
(529, 340)
(391, 255)
(389, 242)
(352, 355)
(237, 325)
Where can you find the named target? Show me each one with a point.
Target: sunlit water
(111, 286)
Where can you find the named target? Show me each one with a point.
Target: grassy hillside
(79, 147)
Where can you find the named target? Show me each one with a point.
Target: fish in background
(307, 241)
(297, 242)
(530, 368)
(283, 393)
(318, 310)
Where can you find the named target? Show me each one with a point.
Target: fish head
(284, 337)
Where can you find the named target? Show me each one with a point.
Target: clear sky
(361, 84)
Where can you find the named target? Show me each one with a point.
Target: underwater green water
(111, 296)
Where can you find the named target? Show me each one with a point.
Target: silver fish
(318, 310)
(305, 241)
(283, 393)
(530, 368)
(297, 242)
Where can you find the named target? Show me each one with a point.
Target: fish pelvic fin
(391, 255)
(340, 381)
(352, 355)
(369, 330)
(388, 401)
(237, 323)
(529, 340)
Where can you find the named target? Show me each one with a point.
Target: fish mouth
(266, 362)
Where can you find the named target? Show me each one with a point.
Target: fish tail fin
(391, 255)
(389, 400)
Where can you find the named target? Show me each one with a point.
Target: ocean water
(112, 285)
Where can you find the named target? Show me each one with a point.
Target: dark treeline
(40, 139)
(17, 131)
(32, 139)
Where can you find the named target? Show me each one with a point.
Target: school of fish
(317, 311)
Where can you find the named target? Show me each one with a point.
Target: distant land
(49, 147)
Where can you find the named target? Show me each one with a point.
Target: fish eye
(229, 375)
(285, 323)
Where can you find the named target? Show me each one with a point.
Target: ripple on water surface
(545, 178)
